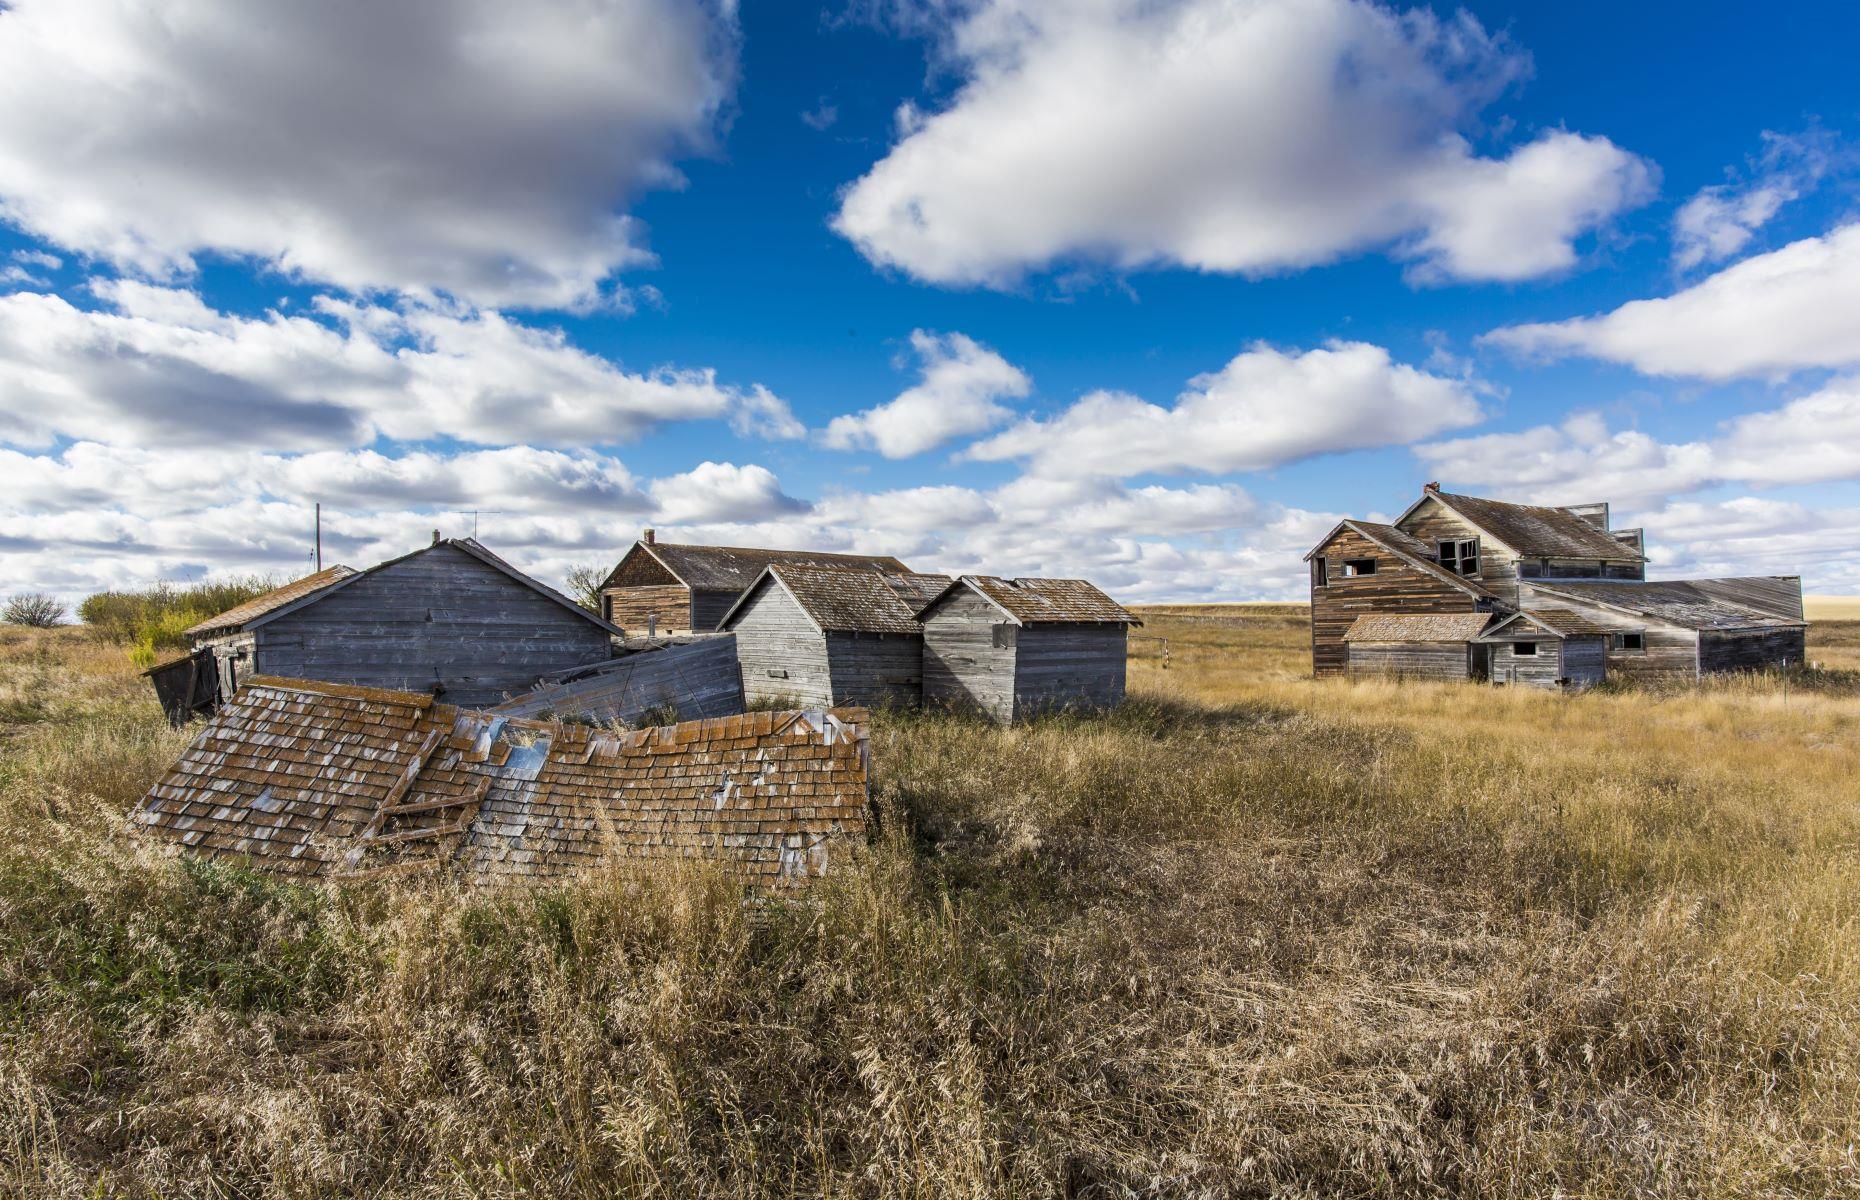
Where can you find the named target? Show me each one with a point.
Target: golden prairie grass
(1252, 935)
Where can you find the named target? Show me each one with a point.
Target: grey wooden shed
(451, 619)
(823, 635)
(1017, 647)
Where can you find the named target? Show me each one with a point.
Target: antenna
(489, 512)
(319, 535)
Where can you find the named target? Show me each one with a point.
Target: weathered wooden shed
(667, 588)
(656, 684)
(1684, 628)
(1547, 648)
(821, 635)
(1417, 645)
(1017, 647)
(451, 619)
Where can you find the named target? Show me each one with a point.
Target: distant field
(1253, 935)
(1832, 608)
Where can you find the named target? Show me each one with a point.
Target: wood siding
(440, 619)
(1064, 666)
(1396, 587)
(1432, 521)
(1585, 661)
(1671, 652)
(668, 684)
(1418, 660)
(661, 607)
(709, 608)
(783, 654)
(876, 670)
(1542, 669)
(1751, 651)
(962, 665)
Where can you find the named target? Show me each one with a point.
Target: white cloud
(1789, 309)
(1812, 439)
(713, 491)
(1263, 409)
(471, 146)
(1246, 137)
(960, 393)
(1719, 221)
(158, 367)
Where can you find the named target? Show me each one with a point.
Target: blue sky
(1145, 292)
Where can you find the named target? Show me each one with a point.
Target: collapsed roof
(325, 781)
(1707, 605)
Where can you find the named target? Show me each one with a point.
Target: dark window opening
(1358, 566)
(1630, 641)
(1524, 649)
(1320, 572)
(1460, 556)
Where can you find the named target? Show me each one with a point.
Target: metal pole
(319, 535)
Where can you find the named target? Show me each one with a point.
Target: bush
(584, 585)
(155, 620)
(35, 610)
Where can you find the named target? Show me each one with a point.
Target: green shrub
(154, 620)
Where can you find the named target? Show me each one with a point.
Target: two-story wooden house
(1463, 587)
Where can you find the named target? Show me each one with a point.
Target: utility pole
(319, 535)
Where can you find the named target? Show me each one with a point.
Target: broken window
(1320, 572)
(1630, 641)
(1353, 567)
(1006, 636)
(1460, 556)
(1524, 649)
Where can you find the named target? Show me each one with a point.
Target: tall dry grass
(1252, 935)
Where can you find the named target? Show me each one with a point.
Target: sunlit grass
(1254, 934)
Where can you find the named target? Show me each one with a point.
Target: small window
(1353, 567)
(1524, 649)
(1320, 572)
(1006, 636)
(1630, 641)
(1460, 556)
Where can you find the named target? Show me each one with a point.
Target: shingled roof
(321, 780)
(1558, 622)
(1537, 532)
(1702, 604)
(1417, 627)
(734, 568)
(837, 600)
(1047, 601)
(239, 614)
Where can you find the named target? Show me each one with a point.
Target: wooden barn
(664, 588)
(824, 635)
(1017, 647)
(1578, 580)
(1687, 628)
(451, 619)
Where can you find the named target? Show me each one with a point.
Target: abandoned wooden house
(327, 781)
(1549, 590)
(664, 588)
(451, 619)
(1016, 647)
(831, 635)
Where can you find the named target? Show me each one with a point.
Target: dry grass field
(1253, 935)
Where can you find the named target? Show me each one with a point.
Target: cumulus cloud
(1250, 137)
(1791, 308)
(157, 366)
(1719, 221)
(473, 147)
(1812, 439)
(1265, 408)
(714, 491)
(959, 393)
